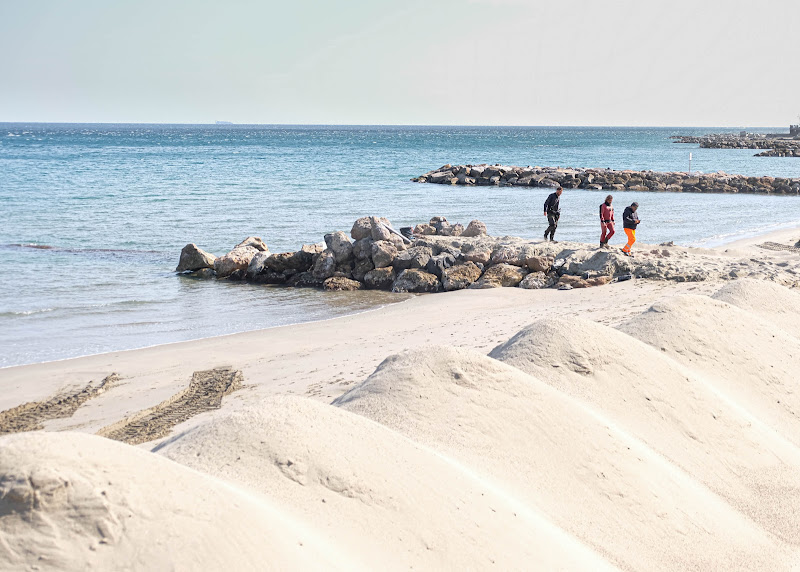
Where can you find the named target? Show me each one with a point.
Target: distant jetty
(774, 144)
(607, 179)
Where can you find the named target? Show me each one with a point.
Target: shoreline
(778, 235)
(324, 358)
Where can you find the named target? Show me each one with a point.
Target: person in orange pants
(630, 220)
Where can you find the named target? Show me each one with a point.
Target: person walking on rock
(606, 221)
(630, 220)
(552, 210)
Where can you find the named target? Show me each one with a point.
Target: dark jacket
(552, 204)
(630, 219)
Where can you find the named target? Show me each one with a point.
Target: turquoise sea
(94, 216)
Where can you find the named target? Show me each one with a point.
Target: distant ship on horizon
(223, 122)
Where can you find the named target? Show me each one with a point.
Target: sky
(432, 62)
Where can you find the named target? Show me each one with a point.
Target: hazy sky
(484, 62)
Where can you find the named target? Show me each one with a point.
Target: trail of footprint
(205, 392)
(30, 416)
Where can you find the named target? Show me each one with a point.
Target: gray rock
(518, 254)
(325, 265)
(338, 243)
(253, 241)
(380, 278)
(501, 276)
(380, 229)
(304, 280)
(439, 263)
(256, 265)
(360, 268)
(193, 258)
(537, 280)
(460, 276)
(362, 248)
(383, 253)
(237, 259)
(417, 281)
(362, 228)
(478, 254)
(413, 258)
(474, 228)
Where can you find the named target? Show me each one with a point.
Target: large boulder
(256, 265)
(414, 258)
(477, 254)
(237, 259)
(439, 263)
(298, 261)
(454, 230)
(383, 253)
(194, 258)
(338, 243)
(380, 278)
(538, 280)
(604, 262)
(501, 276)
(253, 241)
(460, 276)
(474, 228)
(304, 280)
(380, 228)
(417, 281)
(341, 284)
(540, 263)
(362, 248)
(324, 266)
(517, 255)
(360, 268)
(362, 228)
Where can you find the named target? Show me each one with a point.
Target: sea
(94, 215)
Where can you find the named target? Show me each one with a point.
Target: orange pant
(631, 239)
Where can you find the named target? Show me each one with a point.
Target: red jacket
(606, 212)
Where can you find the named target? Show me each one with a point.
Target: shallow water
(118, 202)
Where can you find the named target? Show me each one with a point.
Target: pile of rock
(377, 257)
(607, 179)
(776, 147)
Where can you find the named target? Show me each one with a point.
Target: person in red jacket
(606, 221)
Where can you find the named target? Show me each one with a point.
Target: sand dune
(396, 504)
(70, 501)
(549, 450)
(676, 412)
(767, 300)
(749, 360)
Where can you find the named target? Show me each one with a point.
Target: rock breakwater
(607, 179)
(438, 256)
(775, 146)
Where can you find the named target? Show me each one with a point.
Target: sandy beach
(638, 425)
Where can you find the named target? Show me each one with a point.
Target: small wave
(26, 312)
(36, 246)
(33, 245)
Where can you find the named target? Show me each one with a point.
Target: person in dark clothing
(552, 210)
(630, 220)
(606, 221)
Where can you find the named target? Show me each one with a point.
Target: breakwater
(438, 256)
(607, 179)
(773, 146)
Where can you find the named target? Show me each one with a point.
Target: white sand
(640, 425)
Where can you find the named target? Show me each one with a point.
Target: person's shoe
(554, 241)
(626, 253)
